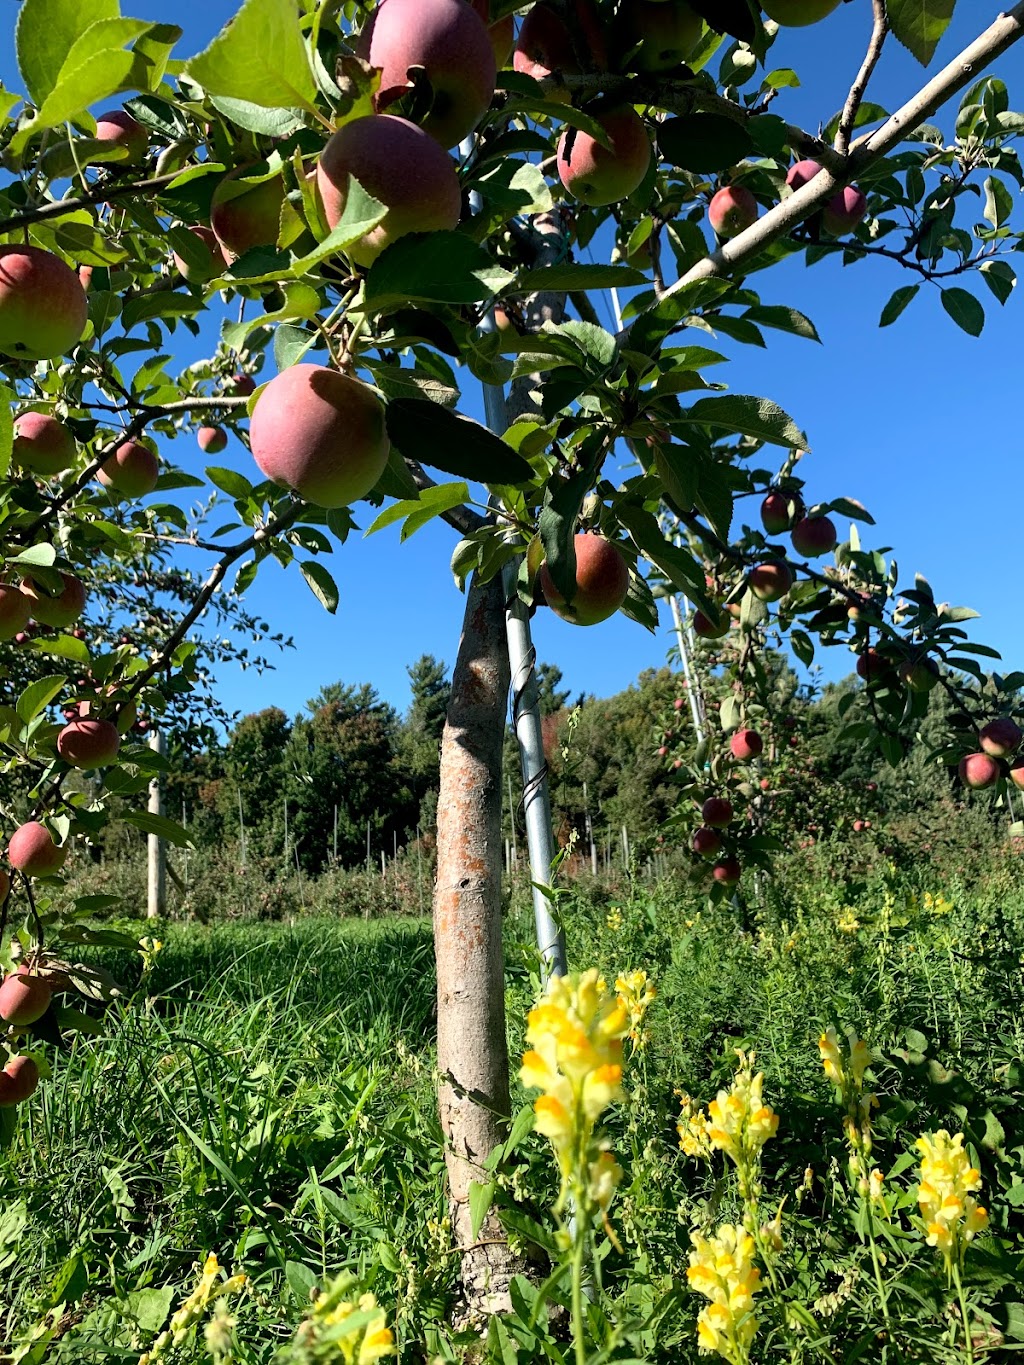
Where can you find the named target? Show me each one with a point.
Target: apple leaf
(896, 305)
(362, 213)
(323, 586)
(229, 481)
(919, 24)
(7, 397)
(430, 434)
(45, 34)
(62, 647)
(757, 417)
(783, 319)
(259, 57)
(704, 142)
(566, 277)
(436, 267)
(965, 310)
(38, 695)
(160, 826)
(417, 511)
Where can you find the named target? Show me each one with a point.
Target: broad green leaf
(480, 1197)
(436, 267)
(582, 277)
(260, 57)
(300, 301)
(432, 502)
(998, 201)
(919, 24)
(323, 586)
(62, 647)
(47, 31)
(433, 435)
(783, 319)
(160, 826)
(38, 695)
(6, 428)
(362, 213)
(36, 556)
(256, 118)
(97, 79)
(758, 417)
(965, 310)
(1000, 278)
(896, 305)
(229, 481)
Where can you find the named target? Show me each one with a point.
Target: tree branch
(462, 519)
(732, 256)
(56, 208)
(860, 85)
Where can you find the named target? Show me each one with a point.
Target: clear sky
(918, 421)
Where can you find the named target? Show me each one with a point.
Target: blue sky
(918, 421)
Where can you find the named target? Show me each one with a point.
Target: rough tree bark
(472, 1046)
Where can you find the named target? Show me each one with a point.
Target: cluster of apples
(733, 208)
(24, 999)
(999, 741)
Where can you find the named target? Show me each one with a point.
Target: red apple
(746, 744)
(449, 41)
(859, 826)
(60, 611)
(548, 45)
(598, 175)
(814, 536)
(978, 771)
(88, 744)
(802, 174)
(920, 674)
(398, 164)
(240, 386)
(732, 210)
(1017, 773)
(43, 308)
(716, 812)
(602, 581)
(871, 666)
(18, 1081)
(798, 13)
(707, 843)
(117, 128)
(212, 440)
(42, 445)
(844, 211)
(244, 214)
(31, 850)
(1000, 737)
(15, 610)
(502, 35)
(321, 433)
(727, 871)
(24, 998)
(131, 469)
(771, 580)
(210, 259)
(706, 629)
(779, 511)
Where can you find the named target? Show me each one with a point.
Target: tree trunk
(472, 1046)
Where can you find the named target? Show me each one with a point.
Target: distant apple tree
(362, 212)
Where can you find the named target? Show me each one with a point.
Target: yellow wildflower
(952, 1217)
(722, 1269)
(211, 1287)
(694, 1129)
(832, 1057)
(341, 1330)
(741, 1122)
(636, 994)
(613, 920)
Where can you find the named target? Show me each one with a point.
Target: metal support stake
(157, 855)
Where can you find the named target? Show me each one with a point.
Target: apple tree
(363, 212)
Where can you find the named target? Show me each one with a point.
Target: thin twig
(859, 88)
(57, 208)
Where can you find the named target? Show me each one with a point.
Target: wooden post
(156, 906)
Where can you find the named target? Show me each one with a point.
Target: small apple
(1000, 737)
(1017, 773)
(707, 843)
(321, 433)
(844, 211)
(814, 536)
(602, 582)
(978, 771)
(727, 871)
(212, 440)
(131, 469)
(548, 45)
(24, 998)
(60, 611)
(920, 674)
(732, 210)
(240, 386)
(43, 307)
(117, 128)
(802, 174)
(15, 610)
(210, 259)
(599, 175)
(871, 666)
(667, 31)
(746, 744)
(246, 214)
(18, 1081)
(706, 629)
(400, 165)
(31, 850)
(88, 744)
(43, 445)
(716, 812)
(771, 580)
(779, 511)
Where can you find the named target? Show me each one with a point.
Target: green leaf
(6, 429)
(919, 24)
(362, 214)
(899, 301)
(323, 586)
(45, 34)
(229, 481)
(436, 267)
(480, 1197)
(38, 695)
(704, 142)
(432, 502)
(36, 556)
(92, 71)
(61, 647)
(783, 320)
(758, 417)
(436, 436)
(300, 301)
(965, 310)
(259, 57)
(160, 826)
(582, 277)
(1000, 278)
(300, 1280)
(998, 201)
(255, 118)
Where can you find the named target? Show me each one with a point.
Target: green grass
(268, 1094)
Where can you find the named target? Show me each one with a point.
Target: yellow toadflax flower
(212, 1286)
(575, 1058)
(741, 1122)
(952, 1217)
(722, 1269)
(341, 1330)
(694, 1129)
(636, 994)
